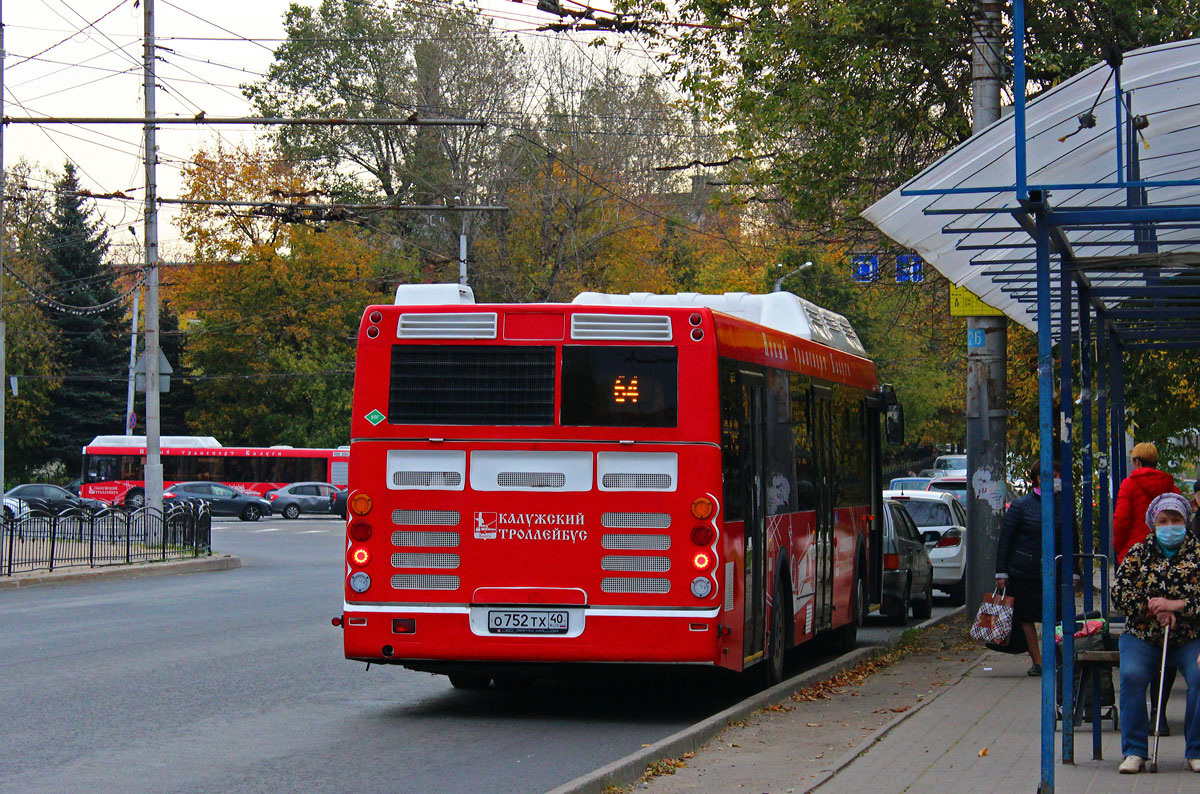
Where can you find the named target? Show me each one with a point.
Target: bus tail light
(703, 535)
(702, 561)
(360, 504)
(404, 626)
(951, 537)
(359, 555)
(702, 508)
(891, 562)
(360, 531)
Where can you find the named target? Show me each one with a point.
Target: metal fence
(40, 538)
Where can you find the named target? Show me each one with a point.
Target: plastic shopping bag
(994, 621)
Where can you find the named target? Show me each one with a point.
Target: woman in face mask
(1158, 585)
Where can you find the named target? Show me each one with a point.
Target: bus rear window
(471, 385)
(620, 386)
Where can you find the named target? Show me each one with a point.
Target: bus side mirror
(895, 425)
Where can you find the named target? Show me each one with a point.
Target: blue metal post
(1087, 493)
(1120, 125)
(1065, 502)
(1104, 484)
(1046, 435)
(1019, 98)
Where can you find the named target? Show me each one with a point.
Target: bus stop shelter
(1078, 216)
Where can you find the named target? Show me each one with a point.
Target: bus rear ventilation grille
(531, 479)
(629, 584)
(411, 559)
(427, 479)
(621, 326)
(434, 540)
(654, 482)
(636, 542)
(636, 520)
(426, 518)
(614, 562)
(424, 581)
(475, 325)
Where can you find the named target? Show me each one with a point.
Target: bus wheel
(135, 499)
(291, 511)
(781, 612)
(469, 681)
(251, 513)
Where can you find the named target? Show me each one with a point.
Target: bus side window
(780, 461)
(805, 473)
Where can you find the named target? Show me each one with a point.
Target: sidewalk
(952, 707)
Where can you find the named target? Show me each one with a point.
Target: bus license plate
(527, 621)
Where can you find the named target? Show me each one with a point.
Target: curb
(221, 562)
(629, 769)
(877, 736)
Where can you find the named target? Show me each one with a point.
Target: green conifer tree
(92, 351)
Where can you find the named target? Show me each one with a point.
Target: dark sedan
(222, 500)
(54, 497)
(303, 497)
(907, 569)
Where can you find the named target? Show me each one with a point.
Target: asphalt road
(235, 682)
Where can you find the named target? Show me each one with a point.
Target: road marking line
(312, 532)
(268, 529)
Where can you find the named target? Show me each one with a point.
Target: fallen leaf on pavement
(813, 724)
(983, 752)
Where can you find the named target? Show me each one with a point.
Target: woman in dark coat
(1019, 561)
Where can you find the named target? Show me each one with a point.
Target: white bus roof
(780, 311)
(165, 441)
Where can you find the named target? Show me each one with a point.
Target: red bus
(114, 466)
(653, 479)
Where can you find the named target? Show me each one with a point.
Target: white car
(951, 466)
(942, 521)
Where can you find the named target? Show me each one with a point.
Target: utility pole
(154, 468)
(462, 252)
(132, 364)
(987, 349)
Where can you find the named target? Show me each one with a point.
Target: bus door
(753, 487)
(823, 459)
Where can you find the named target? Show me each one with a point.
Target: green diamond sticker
(375, 417)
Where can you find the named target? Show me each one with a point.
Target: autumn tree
(270, 306)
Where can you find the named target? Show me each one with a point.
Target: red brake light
(168, 495)
(702, 561)
(359, 555)
(951, 537)
(272, 495)
(891, 562)
(360, 531)
(703, 535)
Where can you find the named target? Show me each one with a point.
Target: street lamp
(779, 281)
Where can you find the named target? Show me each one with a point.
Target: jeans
(1140, 663)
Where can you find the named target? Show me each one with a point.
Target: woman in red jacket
(1137, 491)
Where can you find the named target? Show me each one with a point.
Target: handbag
(994, 621)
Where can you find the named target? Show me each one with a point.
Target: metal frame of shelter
(1127, 250)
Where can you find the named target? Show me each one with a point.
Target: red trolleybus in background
(643, 478)
(114, 466)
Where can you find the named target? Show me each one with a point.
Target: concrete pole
(132, 363)
(987, 350)
(154, 469)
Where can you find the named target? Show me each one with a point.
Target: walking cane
(1158, 717)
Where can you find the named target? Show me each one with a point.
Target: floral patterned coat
(1147, 573)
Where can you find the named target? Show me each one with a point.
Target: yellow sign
(964, 303)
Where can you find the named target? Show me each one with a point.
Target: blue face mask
(1170, 536)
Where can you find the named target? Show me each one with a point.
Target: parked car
(909, 483)
(222, 500)
(942, 521)
(14, 508)
(337, 502)
(54, 497)
(951, 465)
(953, 485)
(907, 570)
(302, 497)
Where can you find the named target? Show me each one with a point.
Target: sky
(84, 58)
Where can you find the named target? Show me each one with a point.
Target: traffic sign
(964, 303)
(164, 373)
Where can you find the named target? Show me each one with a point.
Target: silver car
(907, 570)
(303, 497)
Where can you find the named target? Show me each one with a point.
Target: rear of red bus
(534, 484)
